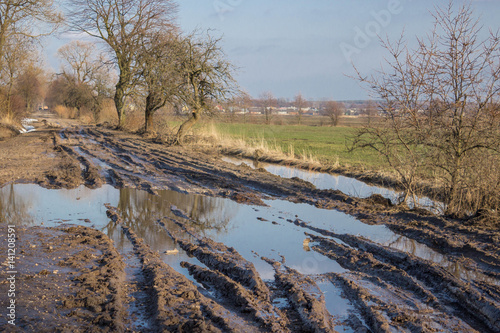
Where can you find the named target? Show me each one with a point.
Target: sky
(310, 46)
(291, 46)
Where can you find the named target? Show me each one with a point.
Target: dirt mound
(7, 132)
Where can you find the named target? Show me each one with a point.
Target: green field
(326, 144)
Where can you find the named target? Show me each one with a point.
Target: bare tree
(438, 102)
(206, 77)
(122, 25)
(300, 103)
(80, 60)
(27, 18)
(86, 77)
(241, 103)
(29, 85)
(370, 111)
(268, 102)
(158, 61)
(334, 110)
(19, 52)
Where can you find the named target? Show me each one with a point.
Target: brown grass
(134, 121)
(108, 113)
(65, 112)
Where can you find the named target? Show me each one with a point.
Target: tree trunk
(148, 124)
(186, 126)
(119, 100)
(148, 114)
(119, 106)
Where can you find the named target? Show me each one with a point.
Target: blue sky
(291, 46)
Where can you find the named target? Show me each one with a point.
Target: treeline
(147, 61)
(22, 78)
(270, 106)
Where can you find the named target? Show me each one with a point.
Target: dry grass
(134, 121)
(262, 149)
(9, 121)
(269, 151)
(9, 127)
(65, 112)
(108, 113)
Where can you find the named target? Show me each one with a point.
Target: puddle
(322, 181)
(337, 305)
(26, 126)
(326, 181)
(264, 230)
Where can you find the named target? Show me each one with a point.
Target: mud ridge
(305, 296)
(90, 173)
(477, 310)
(468, 299)
(388, 309)
(353, 259)
(449, 241)
(103, 284)
(225, 260)
(260, 311)
(364, 301)
(178, 305)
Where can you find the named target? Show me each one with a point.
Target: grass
(328, 145)
(311, 143)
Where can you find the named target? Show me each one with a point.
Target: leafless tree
(241, 102)
(206, 77)
(268, 102)
(438, 102)
(29, 85)
(334, 110)
(80, 60)
(121, 25)
(27, 18)
(86, 77)
(300, 103)
(158, 62)
(18, 54)
(370, 111)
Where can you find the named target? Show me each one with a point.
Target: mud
(69, 279)
(76, 278)
(225, 259)
(305, 297)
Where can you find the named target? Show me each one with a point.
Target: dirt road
(75, 278)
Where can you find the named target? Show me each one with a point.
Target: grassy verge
(313, 147)
(327, 145)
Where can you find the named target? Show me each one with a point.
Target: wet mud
(82, 281)
(69, 279)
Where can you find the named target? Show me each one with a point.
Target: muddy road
(119, 233)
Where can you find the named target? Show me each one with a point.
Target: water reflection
(326, 181)
(422, 251)
(14, 207)
(141, 211)
(321, 180)
(265, 230)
